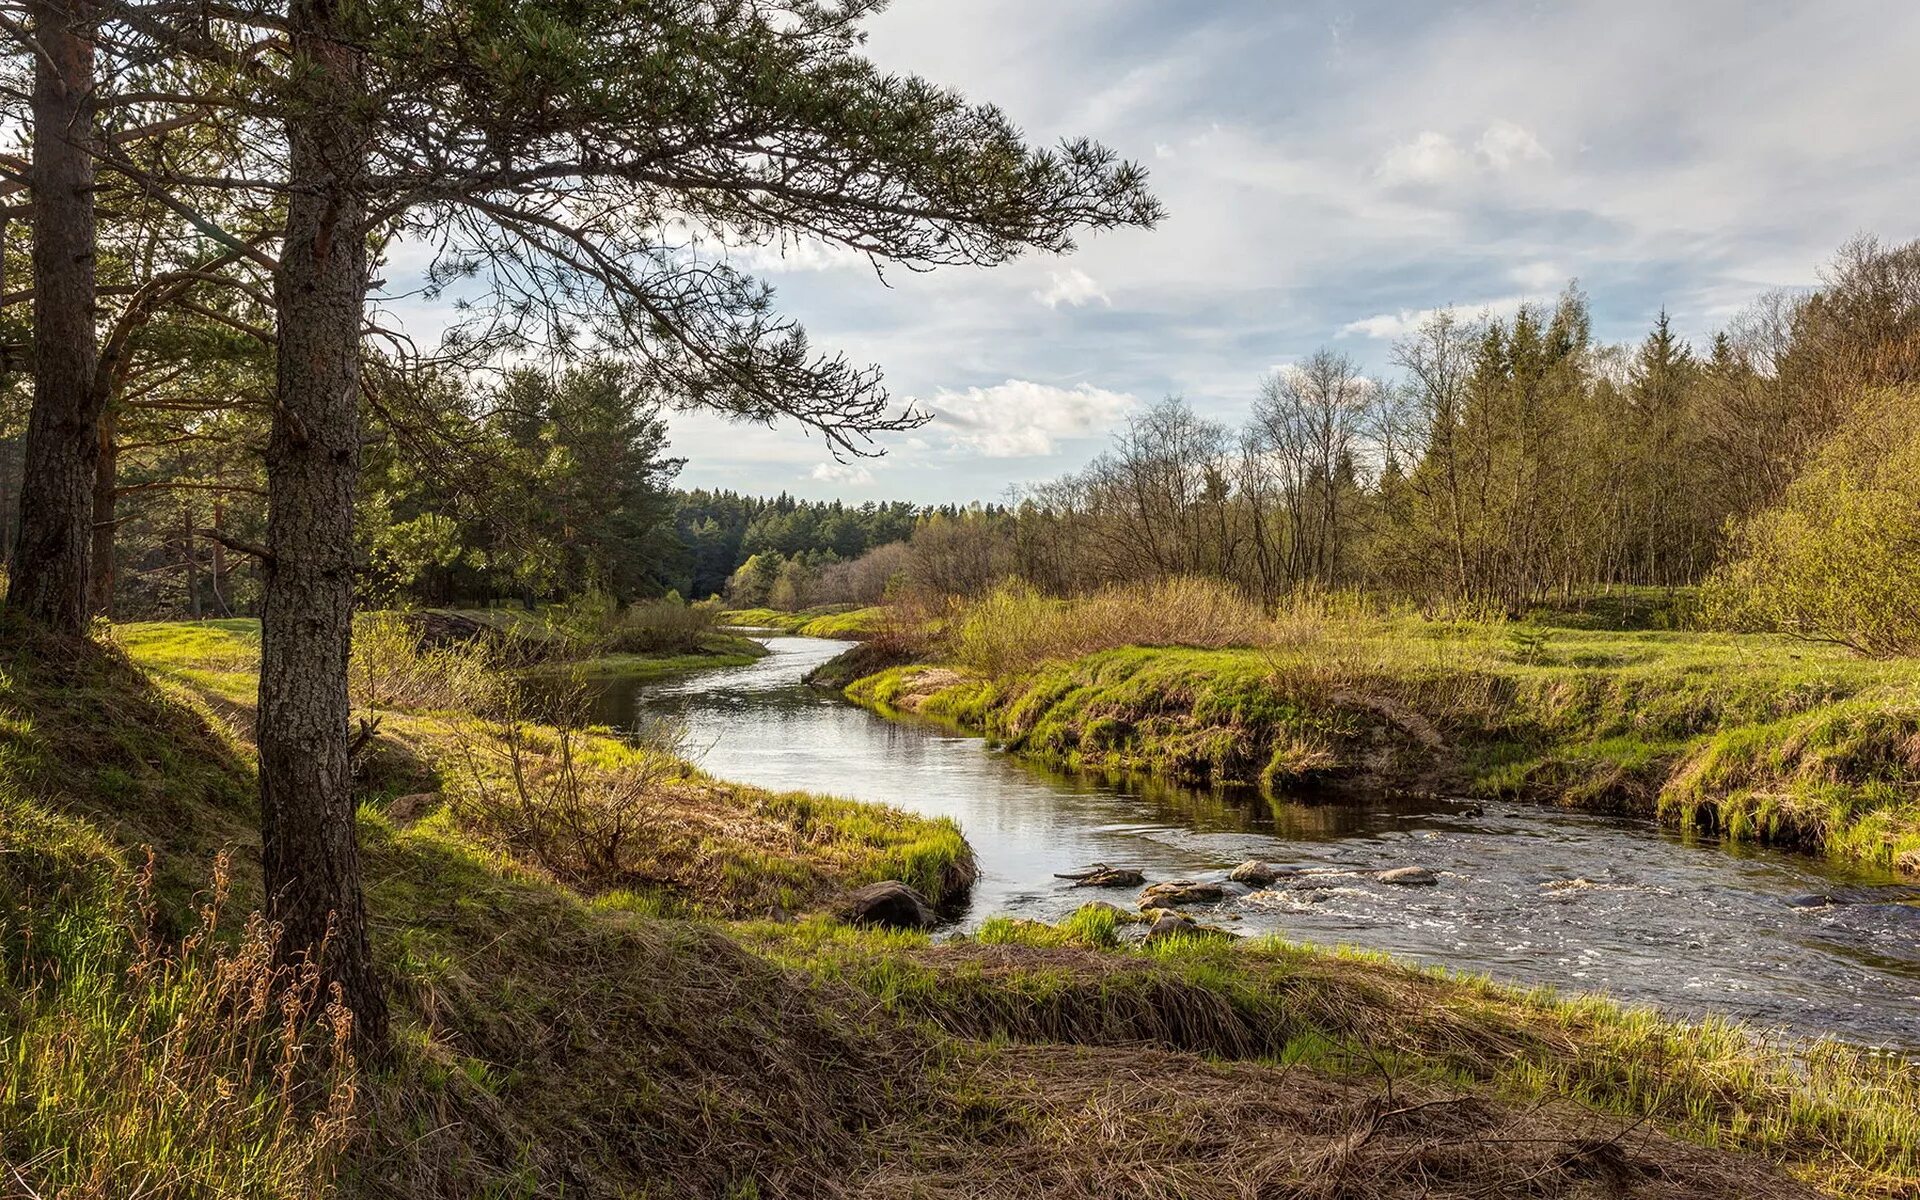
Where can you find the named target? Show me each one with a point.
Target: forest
(409, 788)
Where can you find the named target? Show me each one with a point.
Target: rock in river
(1408, 876)
(1255, 873)
(1181, 891)
(889, 903)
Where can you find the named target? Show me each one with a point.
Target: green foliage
(1839, 559)
(559, 486)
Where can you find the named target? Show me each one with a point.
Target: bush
(1839, 559)
(594, 624)
(1014, 627)
(548, 794)
(393, 667)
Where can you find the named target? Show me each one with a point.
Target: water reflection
(1526, 894)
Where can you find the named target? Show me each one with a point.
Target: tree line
(1507, 462)
(210, 194)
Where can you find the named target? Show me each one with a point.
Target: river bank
(554, 1035)
(1746, 738)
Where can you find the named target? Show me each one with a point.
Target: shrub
(393, 667)
(1014, 626)
(551, 795)
(1839, 559)
(595, 624)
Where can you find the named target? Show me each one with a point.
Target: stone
(1181, 891)
(1168, 923)
(1408, 877)
(890, 904)
(1258, 874)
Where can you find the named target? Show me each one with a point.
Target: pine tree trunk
(106, 480)
(309, 848)
(49, 564)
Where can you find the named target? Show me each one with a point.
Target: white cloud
(839, 472)
(1505, 145)
(795, 254)
(1072, 287)
(1431, 157)
(1385, 326)
(1538, 276)
(1021, 419)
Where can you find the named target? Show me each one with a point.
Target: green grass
(1750, 737)
(719, 650)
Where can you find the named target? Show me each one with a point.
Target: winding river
(1526, 894)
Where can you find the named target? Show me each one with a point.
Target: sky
(1333, 171)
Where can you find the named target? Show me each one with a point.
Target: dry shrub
(1014, 627)
(559, 797)
(202, 1069)
(394, 667)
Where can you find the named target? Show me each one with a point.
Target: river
(1527, 894)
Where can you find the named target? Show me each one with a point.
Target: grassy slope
(555, 1043)
(1756, 738)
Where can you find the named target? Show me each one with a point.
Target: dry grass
(1844, 1118)
(130, 1067)
(1081, 1122)
(1014, 627)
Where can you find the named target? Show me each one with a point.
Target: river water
(1526, 894)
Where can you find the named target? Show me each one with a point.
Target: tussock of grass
(143, 1050)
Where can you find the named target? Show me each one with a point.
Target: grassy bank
(832, 621)
(563, 1033)
(1750, 737)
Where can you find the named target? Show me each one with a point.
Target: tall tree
(309, 850)
(50, 558)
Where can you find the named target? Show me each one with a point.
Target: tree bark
(48, 577)
(309, 846)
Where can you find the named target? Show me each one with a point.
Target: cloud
(1398, 324)
(1505, 145)
(1538, 276)
(839, 472)
(1021, 419)
(1072, 287)
(1433, 157)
